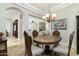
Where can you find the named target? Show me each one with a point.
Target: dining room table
(47, 40)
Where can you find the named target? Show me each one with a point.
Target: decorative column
(20, 27)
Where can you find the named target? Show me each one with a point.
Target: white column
(11, 29)
(20, 28)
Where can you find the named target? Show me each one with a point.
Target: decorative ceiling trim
(30, 7)
(15, 8)
(36, 10)
(59, 7)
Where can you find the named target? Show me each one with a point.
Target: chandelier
(49, 16)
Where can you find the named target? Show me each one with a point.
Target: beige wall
(23, 22)
(70, 14)
(2, 17)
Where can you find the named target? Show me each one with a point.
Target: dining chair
(35, 34)
(60, 49)
(58, 43)
(29, 48)
(56, 33)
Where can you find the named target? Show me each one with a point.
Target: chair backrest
(70, 42)
(57, 44)
(25, 34)
(56, 33)
(28, 44)
(35, 33)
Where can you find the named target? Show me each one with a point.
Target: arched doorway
(15, 16)
(15, 28)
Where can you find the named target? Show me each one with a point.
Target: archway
(14, 14)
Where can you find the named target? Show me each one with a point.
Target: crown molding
(59, 7)
(38, 11)
(30, 7)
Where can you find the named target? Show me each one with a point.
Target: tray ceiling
(44, 6)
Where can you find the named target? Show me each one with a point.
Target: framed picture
(59, 24)
(41, 26)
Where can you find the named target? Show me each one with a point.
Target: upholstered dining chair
(27, 45)
(60, 49)
(56, 33)
(29, 48)
(35, 34)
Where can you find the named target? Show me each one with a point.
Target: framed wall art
(59, 24)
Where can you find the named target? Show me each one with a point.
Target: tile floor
(15, 47)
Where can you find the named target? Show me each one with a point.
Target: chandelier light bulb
(54, 15)
(44, 17)
(47, 14)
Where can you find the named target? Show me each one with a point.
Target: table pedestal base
(47, 51)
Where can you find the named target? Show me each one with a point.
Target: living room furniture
(3, 47)
(29, 48)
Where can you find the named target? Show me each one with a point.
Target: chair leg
(42, 45)
(25, 53)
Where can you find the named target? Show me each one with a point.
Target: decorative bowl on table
(1, 35)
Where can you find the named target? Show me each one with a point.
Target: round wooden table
(47, 40)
